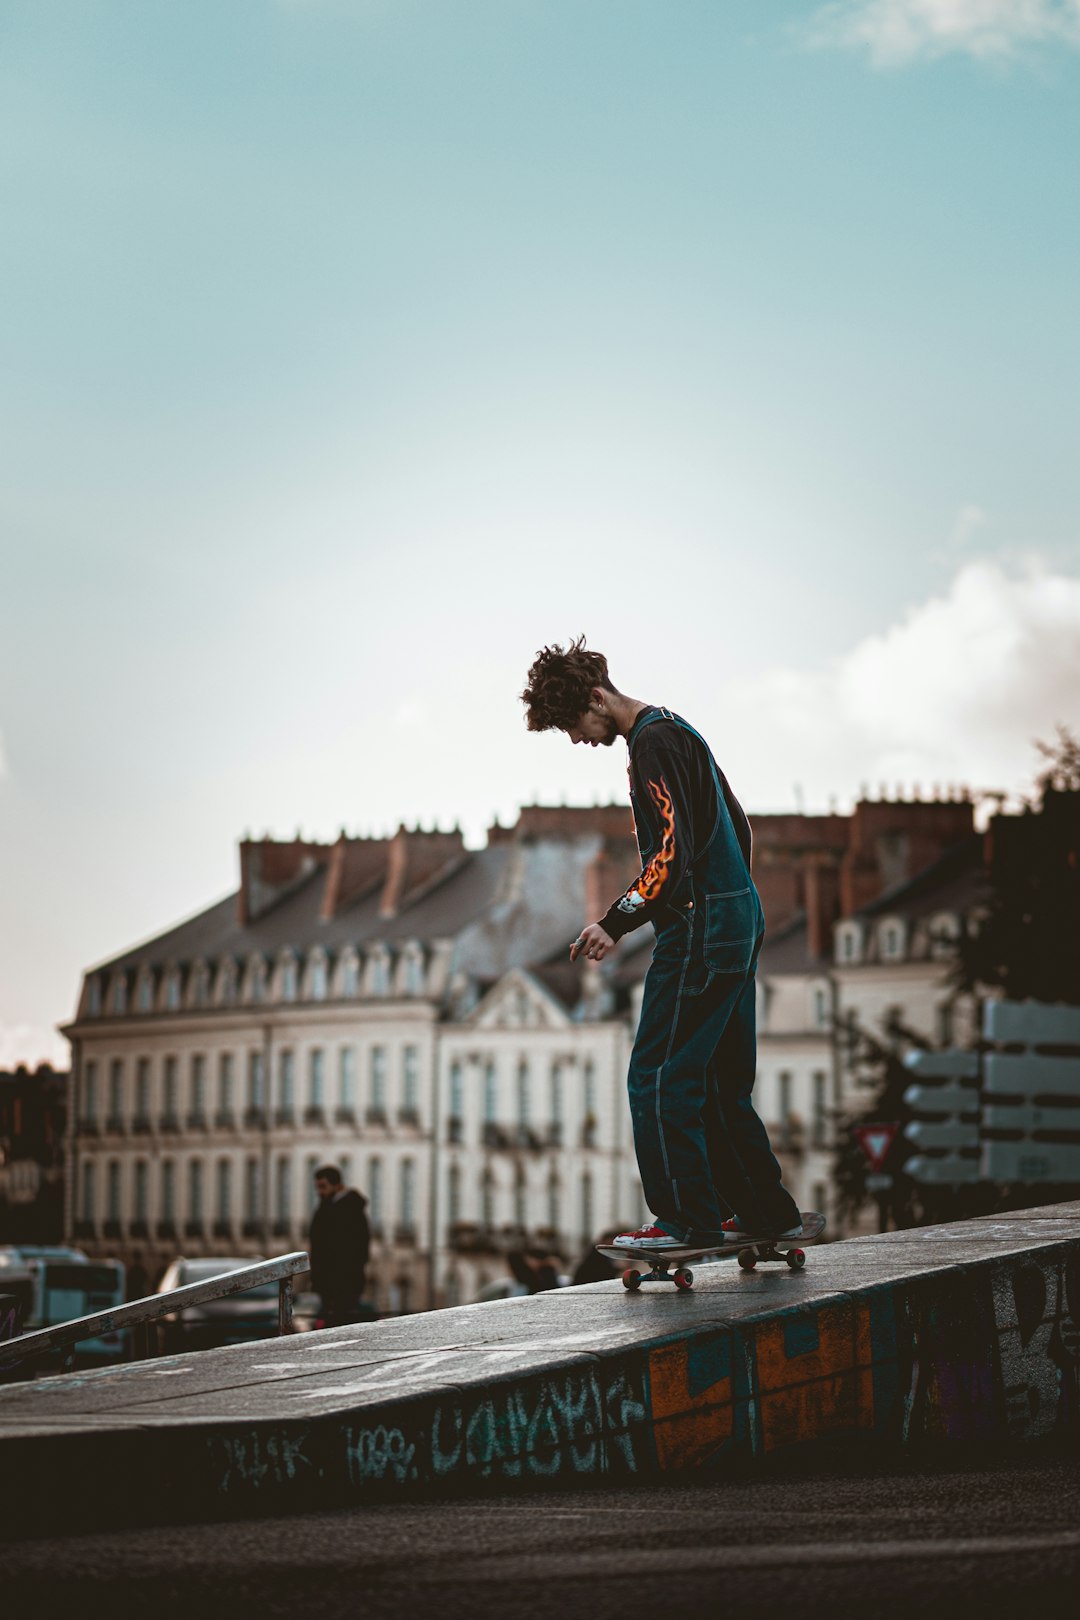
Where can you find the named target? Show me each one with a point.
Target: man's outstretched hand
(594, 942)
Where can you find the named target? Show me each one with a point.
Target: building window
(554, 1212)
(168, 1190)
(283, 1192)
(170, 1098)
(116, 1091)
(119, 993)
(140, 1201)
(288, 979)
(112, 1194)
(556, 1094)
(453, 1194)
(93, 997)
(590, 1090)
(487, 1200)
(172, 990)
(378, 1079)
(945, 1013)
(201, 994)
(457, 1091)
(347, 1078)
(785, 1102)
(318, 979)
(345, 1166)
(142, 1089)
(375, 1191)
(491, 1100)
(408, 1194)
(587, 1207)
(90, 1093)
(225, 1084)
(821, 1122)
(523, 1093)
(411, 1079)
(224, 1191)
(146, 993)
(350, 977)
(251, 1191)
(255, 1082)
(316, 1079)
(520, 1198)
(195, 1192)
(821, 1007)
(257, 979)
(89, 1192)
(198, 1088)
(892, 942)
(286, 1099)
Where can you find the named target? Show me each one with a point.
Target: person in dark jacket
(339, 1243)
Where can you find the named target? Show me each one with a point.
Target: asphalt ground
(957, 1539)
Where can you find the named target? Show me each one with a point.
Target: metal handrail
(65, 1335)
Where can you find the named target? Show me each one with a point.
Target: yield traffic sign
(875, 1141)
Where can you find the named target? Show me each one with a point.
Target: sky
(353, 350)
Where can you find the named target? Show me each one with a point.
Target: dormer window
(849, 943)
(821, 1006)
(119, 993)
(172, 990)
(891, 939)
(350, 974)
(414, 972)
(944, 934)
(200, 986)
(93, 997)
(145, 992)
(318, 976)
(379, 973)
(226, 983)
(289, 978)
(256, 979)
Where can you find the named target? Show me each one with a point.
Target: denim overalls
(702, 1151)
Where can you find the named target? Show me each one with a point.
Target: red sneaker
(648, 1237)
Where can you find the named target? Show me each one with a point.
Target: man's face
(324, 1188)
(594, 727)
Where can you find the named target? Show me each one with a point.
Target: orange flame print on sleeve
(653, 878)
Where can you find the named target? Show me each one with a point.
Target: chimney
(269, 871)
(416, 860)
(822, 882)
(356, 868)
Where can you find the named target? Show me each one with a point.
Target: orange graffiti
(655, 875)
(814, 1375)
(686, 1428)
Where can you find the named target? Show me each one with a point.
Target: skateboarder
(708, 1171)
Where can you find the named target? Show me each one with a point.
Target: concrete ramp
(963, 1332)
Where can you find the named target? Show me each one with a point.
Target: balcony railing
(408, 1116)
(141, 1125)
(344, 1115)
(455, 1129)
(115, 1125)
(225, 1120)
(315, 1115)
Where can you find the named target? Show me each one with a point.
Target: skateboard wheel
(683, 1277)
(796, 1259)
(747, 1259)
(631, 1280)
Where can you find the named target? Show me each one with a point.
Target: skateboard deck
(747, 1252)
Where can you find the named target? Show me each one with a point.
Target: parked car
(232, 1320)
(55, 1285)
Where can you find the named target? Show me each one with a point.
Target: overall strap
(718, 781)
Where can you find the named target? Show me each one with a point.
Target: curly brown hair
(560, 685)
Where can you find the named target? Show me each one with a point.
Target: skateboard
(748, 1253)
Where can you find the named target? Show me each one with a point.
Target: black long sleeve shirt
(673, 795)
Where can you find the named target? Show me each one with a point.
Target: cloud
(896, 32)
(955, 693)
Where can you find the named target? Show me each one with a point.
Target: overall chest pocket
(731, 930)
